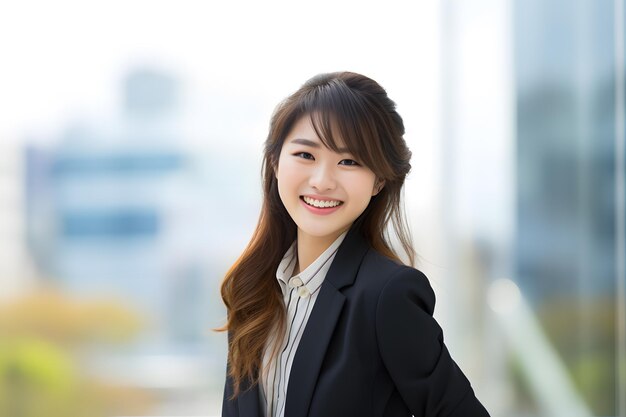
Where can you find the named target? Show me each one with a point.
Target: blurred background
(130, 148)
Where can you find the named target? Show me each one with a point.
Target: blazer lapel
(321, 324)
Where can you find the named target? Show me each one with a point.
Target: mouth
(321, 204)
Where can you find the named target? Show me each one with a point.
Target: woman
(323, 317)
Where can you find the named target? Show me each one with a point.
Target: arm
(411, 345)
(229, 407)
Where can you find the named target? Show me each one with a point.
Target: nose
(322, 178)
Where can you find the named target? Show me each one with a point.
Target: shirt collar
(313, 276)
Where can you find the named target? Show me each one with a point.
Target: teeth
(321, 204)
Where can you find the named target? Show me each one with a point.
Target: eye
(349, 162)
(304, 155)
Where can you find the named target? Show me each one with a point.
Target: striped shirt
(299, 293)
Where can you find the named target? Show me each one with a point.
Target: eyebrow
(313, 144)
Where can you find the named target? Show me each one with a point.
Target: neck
(311, 247)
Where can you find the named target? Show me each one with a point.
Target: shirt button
(295, 282)
(303, 292)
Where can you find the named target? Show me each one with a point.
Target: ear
(378, 185)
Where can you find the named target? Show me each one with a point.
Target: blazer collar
(319, 329)
(346, 264)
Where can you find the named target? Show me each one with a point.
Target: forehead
(313, 132)
(303, 127)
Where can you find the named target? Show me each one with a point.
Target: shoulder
(395, 282)
(411, 345)
(410, 339)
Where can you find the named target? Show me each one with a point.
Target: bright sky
(63, 57)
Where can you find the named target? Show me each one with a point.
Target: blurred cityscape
(116, 234)
(529, 202)
(124, 239)
(565, 256)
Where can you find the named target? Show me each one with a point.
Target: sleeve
(412, 349)
(229, 407)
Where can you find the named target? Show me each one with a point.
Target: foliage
(41, 338)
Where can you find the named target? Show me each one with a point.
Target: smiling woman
(313, 182)
(323, 317)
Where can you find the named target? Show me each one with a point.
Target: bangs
(345, 121)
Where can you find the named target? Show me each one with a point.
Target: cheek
(287, 178)
(365, 185)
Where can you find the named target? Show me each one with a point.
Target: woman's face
(323, 191)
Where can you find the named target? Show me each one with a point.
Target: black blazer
(370, 348)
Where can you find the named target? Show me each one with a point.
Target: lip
(320, 211)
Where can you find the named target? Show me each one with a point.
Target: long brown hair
(342, 106)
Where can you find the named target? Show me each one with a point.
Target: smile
(321, 203)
